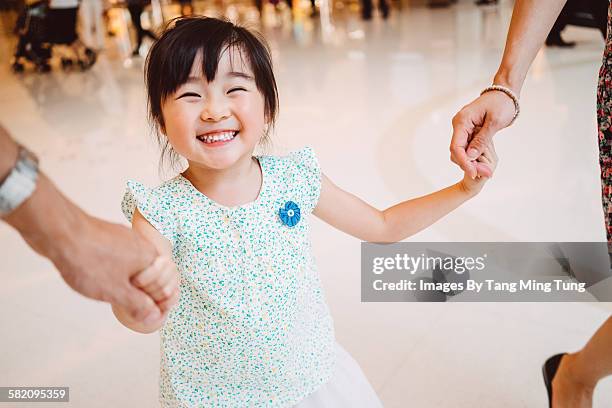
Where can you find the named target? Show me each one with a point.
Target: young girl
(251, 327)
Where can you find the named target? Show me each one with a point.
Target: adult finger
(485, 157)
(482, 139)
(459, 142)
(138, 304)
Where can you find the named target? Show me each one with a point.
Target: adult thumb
(480, 140)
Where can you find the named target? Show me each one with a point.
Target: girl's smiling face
(215, 124)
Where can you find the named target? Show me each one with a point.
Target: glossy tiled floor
(375, 100)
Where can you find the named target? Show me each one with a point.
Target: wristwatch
(20, 183)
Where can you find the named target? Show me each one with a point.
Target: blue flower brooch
(290, 214)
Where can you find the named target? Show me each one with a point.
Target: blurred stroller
(44, 24)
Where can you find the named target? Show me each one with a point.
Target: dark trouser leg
(135, 12)
(366, 9)
(383, 5)
(560, 23)
(149, 34)
(599, 10)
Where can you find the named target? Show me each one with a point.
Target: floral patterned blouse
(251, 328)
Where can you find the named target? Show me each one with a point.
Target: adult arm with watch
(476, 123)
(96, 258)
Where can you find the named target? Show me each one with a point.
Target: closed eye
(186, 94)
(236, 89)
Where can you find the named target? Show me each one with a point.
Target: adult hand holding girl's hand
(474, 127)
(94, 257)
(160, 281)
(487, 162)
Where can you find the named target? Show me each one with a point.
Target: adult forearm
(48, 221)
(409, 217)
(531, 23)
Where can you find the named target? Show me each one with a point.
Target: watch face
(20, 183)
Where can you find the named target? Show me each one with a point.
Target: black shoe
(135, 53)
(557, 41)
(485, 2)
(549, 370)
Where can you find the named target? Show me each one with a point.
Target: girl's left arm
(354, 216)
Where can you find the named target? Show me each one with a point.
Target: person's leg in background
(149, 33)
(579, 373)
(383, 6)
(366, 9)
(135, 12)
(599, 10)
(313, 10)
(186, 7)
(485, 2)
(92, 24)
(554, 36)
(367, 6)
(86, 16)
(98, 23)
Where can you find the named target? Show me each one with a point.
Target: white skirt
(348, 387)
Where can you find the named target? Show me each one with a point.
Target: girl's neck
(235, 185)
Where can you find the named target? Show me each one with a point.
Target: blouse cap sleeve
(153, 206)
(308, 175)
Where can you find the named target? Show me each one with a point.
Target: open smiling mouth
(218, 138)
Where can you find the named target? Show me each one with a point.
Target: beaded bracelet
(512, 95)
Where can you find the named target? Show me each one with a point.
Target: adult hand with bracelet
(475, 125)
(94, 257)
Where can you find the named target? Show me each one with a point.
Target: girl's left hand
(489, 159)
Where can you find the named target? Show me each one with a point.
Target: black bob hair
(171, 58)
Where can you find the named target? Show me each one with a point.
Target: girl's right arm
(161, 279)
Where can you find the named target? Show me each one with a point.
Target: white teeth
(218, 137)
